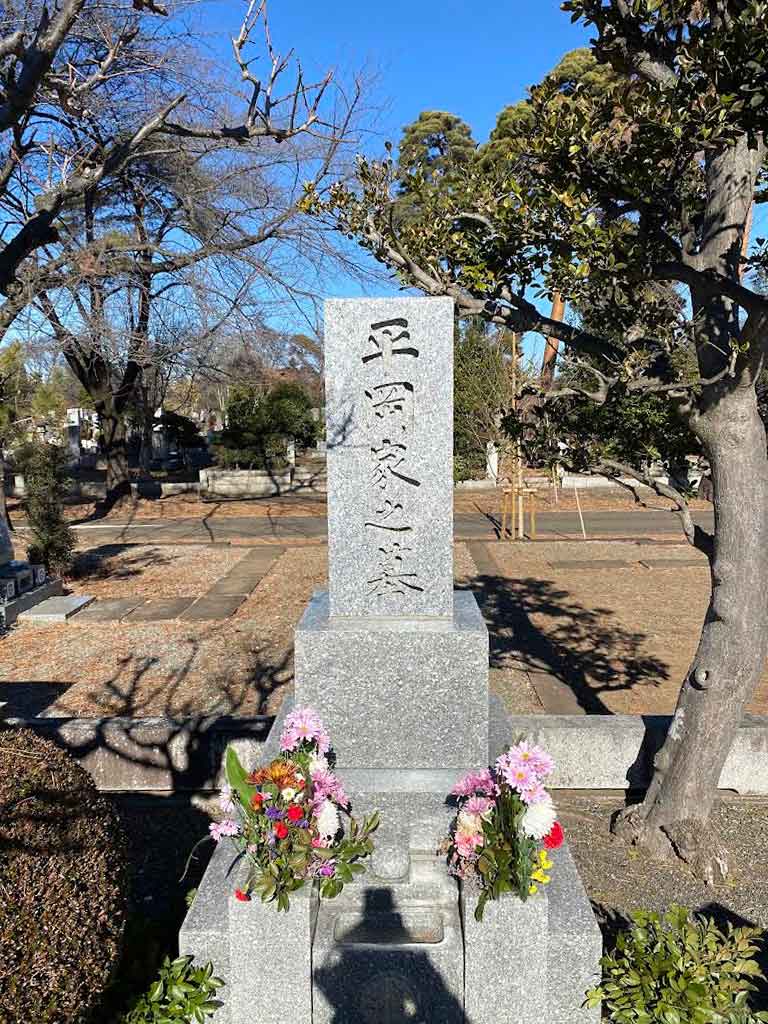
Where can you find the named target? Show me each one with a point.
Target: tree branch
(694, 534)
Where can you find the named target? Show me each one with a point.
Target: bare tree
(114, 210)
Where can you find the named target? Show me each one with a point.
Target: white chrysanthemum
(328, 820)
(288, 793)
(539, 818)
(318, 763)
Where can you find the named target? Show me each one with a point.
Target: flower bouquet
(505, 826)
(290, 826)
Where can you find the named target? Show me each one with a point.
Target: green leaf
(237, 777)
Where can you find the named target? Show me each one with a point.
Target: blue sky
(471, 59)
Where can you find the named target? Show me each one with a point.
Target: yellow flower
(544, 861)
(533, 889)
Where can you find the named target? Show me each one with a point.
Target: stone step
(56, 609)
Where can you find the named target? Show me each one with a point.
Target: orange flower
(280, 773)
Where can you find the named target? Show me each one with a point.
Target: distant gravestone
(6, 544)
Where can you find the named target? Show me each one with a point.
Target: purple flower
(303, 823)
(274, 813)
(327, 870)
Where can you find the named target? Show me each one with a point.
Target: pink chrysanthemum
(478, 805)
(303, 725)
(327, 786)
(528, 755)
(534, 794)
(467, 845)
(479, 782)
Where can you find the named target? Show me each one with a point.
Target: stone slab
(592, 565)
(109, 610)
(398, 692)
(389, 425)
(212, 606)
(675, 563)
(575, 944)
(232, 586)
(56, 609)
(10, 611)
(505, 960)
(161, 609)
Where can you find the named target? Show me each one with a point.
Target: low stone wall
(218, 484)
(158, 755)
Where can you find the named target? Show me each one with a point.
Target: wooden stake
(578, 506)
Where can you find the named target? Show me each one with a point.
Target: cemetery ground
(605, 627)
(601, 627)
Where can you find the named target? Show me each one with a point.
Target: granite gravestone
(396, 662)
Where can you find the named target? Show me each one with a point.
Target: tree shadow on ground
(97, 563)
(537, 626)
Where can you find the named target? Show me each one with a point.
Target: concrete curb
(159, 755)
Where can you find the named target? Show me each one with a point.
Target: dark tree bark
(672, 820)
(114, 449)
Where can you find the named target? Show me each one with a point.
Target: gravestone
(22, 585)
(396, 663)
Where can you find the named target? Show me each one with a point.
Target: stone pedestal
(510, 947)
(388, 951)
(542, 954)
(399, 694)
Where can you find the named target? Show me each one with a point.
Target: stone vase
(270, 960)
(505, 959)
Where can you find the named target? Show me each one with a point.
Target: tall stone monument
(396, 662)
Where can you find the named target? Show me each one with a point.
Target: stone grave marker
(396, 663)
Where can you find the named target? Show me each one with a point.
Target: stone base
(11, 610)
(543, 955)
(391, 951)
(398, 945)
(398, 692)
(506, 960)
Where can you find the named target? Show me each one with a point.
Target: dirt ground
(189, 506)
(601, 627)
(238, 666)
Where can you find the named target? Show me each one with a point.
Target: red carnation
(256, 801)
(555, 837)
(295, 813)
(281, 830)
(242, 896)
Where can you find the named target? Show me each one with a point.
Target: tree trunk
(114, 449)
(552, 345)
(672, 820)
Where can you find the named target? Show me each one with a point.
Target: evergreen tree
(437, 146)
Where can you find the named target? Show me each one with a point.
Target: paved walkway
(221, 601)
(293, 530)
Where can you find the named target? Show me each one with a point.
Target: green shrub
(63, 885)
(258, 426)
(45, 477)
(679, 969)
(182, 993)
